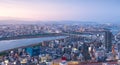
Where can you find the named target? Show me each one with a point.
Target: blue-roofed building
(33, 51)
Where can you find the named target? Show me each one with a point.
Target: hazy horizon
(60, 10)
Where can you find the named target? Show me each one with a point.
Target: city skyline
(49, 10)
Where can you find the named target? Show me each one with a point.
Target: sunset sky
(47, 10)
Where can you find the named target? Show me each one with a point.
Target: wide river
(11, 44)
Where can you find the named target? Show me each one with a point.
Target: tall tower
(108, 41)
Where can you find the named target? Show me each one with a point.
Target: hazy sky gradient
(78, 10)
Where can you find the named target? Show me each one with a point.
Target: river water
(11, 44)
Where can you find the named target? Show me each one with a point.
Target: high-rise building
(108, 41)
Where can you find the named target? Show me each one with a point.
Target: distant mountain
(43, 22)
(16, 22)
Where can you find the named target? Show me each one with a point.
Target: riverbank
(31, 36)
